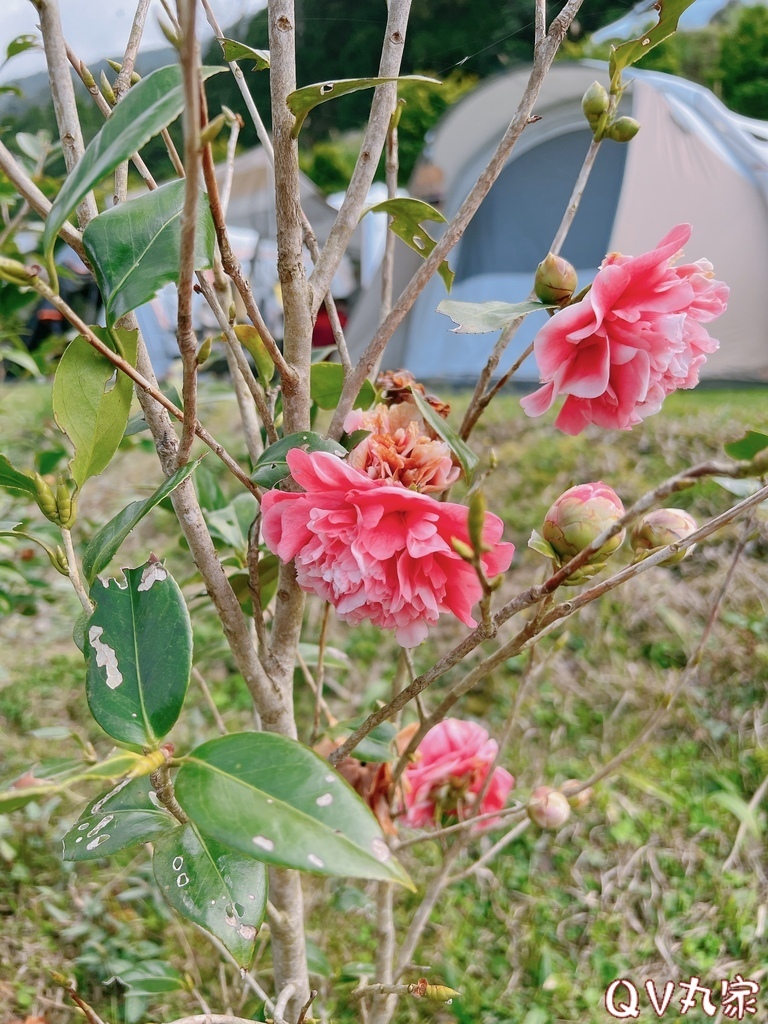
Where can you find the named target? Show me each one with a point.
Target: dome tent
(693, 160)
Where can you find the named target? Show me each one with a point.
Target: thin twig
(123, 80)
(229, 166)
(306, 1006)
(744, 826)
(209, 701)
(320, 674)
(461, 826)
(540, 22)
(74, 573)
(189, 59)
(510, 837)
(544, 57)
(282, 1002)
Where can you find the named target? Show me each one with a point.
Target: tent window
(518, 218)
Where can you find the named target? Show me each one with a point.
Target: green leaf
(20, 44)
(332, 657)
(91, 410)
(120, 818)
(148, 107)
(240, 51)
(326, 381)
(407, 216)
(303, 100)
(14, 480)
(275, 800)
(272, 466)
(748, 446)
(21, 358)
(106, 542)
(629, 53)
(151, 978)
(13, 90)
(217, 888)
(231, 524)
(482, 317)
(467, 458)
(139, 654)
(134, 248)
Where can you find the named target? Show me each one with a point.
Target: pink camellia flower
(450, 768)
(633, 339)
(375, 550)
(398, 449)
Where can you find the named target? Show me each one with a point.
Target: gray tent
(693, 160)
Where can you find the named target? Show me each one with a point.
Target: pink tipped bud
(555, 280)
(579, 799)
(661, 527)
(548, 808)
(579, 516)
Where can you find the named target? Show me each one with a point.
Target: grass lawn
(633, 886)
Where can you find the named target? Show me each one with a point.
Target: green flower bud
(106, 88)
(476, 522)
(661, 527)
(205, 350)
(579, 516)
(46, 499)
(595, 102)
(623, 130)
(555, 280)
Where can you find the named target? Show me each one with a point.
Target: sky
(97, 28)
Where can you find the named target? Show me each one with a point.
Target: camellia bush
(355, 521)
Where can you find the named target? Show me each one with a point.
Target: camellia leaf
(747, 447)
(407, 215)
(275, 800)
(467, 458)
(124, 816)
(376, 746)
(14, 480)
(148, 107)
(629, 53)
(20, 44)
(537, 543)
(139, 654)
(134, 248)
(217, 888)
(88, 407)
(272, 466)
(482, 317)
(241, 51)
(326, 381)
(303, 100)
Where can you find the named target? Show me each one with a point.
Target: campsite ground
(633, 886)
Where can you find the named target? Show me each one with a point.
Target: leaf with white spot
(124, 816)
(268, 797)
(272, 466)
(217, 888)
(407, 216)
(139, 653)
(303, 100)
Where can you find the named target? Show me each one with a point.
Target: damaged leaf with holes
(407, 217)
(303, 100)
(127, 814)
(213, 886)
(139, 653)
(273, 799)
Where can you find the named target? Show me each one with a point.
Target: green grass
(632, 886)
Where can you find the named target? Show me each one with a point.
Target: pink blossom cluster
(634, 338)
(377, 550)
(450, 768)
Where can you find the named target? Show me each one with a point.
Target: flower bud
(555, 280)
(595, 102)
(661, 527)
(576, 800)
(548, 808)
(107, 90)
(623, 130)
(579, 516)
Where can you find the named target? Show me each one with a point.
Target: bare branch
(74, 573)
(384, 99)
(545, 54)
(63, 95)
(189, 59)
(481, 861)
(123, 80)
